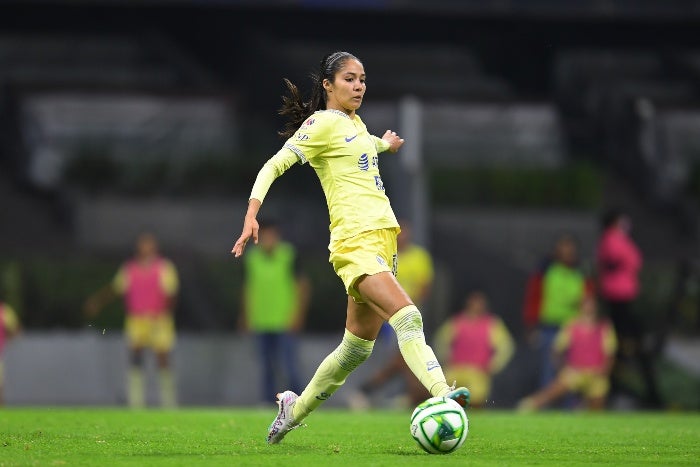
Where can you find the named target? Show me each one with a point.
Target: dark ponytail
(293, 105)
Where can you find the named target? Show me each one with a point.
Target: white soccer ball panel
(455, 419)
(429, 426)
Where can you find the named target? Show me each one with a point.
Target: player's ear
(326, 84)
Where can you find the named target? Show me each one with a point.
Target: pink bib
(144, 292)
(471, 344)
(586, 346)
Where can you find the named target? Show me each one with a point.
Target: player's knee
(408, 324)
(163, 360)
(136, 358)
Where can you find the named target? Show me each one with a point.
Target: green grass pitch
(236, 437)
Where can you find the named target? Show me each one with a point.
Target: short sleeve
(120, 281)
(312, 138)
(443, 339)
(427, 266)
(169, 279)
(609, 340)
(502, 342)
(563, 339)
(9, 318)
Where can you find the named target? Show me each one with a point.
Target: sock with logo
(420, 358)
(331, 373)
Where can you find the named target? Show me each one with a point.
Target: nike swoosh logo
(347, 140)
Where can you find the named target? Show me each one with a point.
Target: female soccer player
(326, 133)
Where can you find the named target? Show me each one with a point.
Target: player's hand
(250, 230)
(394, 140)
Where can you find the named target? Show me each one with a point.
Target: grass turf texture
(53, 436)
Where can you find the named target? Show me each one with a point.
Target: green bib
(562, 292)
(270, 288)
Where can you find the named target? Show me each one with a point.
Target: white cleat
(284, 422)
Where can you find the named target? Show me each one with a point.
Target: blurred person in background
(9, 328)
(475, 344)
(587, 345)
(415, 272)
(327, 133)
(619, 262)
(149, 284)
(275, 302)
(553, 297)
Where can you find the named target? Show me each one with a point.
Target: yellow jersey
(8, 318)
(345, 157)
(415, 271)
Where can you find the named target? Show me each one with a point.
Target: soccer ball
(439, 425)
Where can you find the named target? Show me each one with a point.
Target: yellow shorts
(368, 253)
(475, 379)
(591, 385)
(154, 332)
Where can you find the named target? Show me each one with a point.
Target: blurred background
(524, 119)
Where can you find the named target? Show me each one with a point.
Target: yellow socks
(135, 388)
(352, 351)
(168, 393)
(331, 373)
(420, 358)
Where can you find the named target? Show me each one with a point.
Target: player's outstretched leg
(284, 422)
(420, 358)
